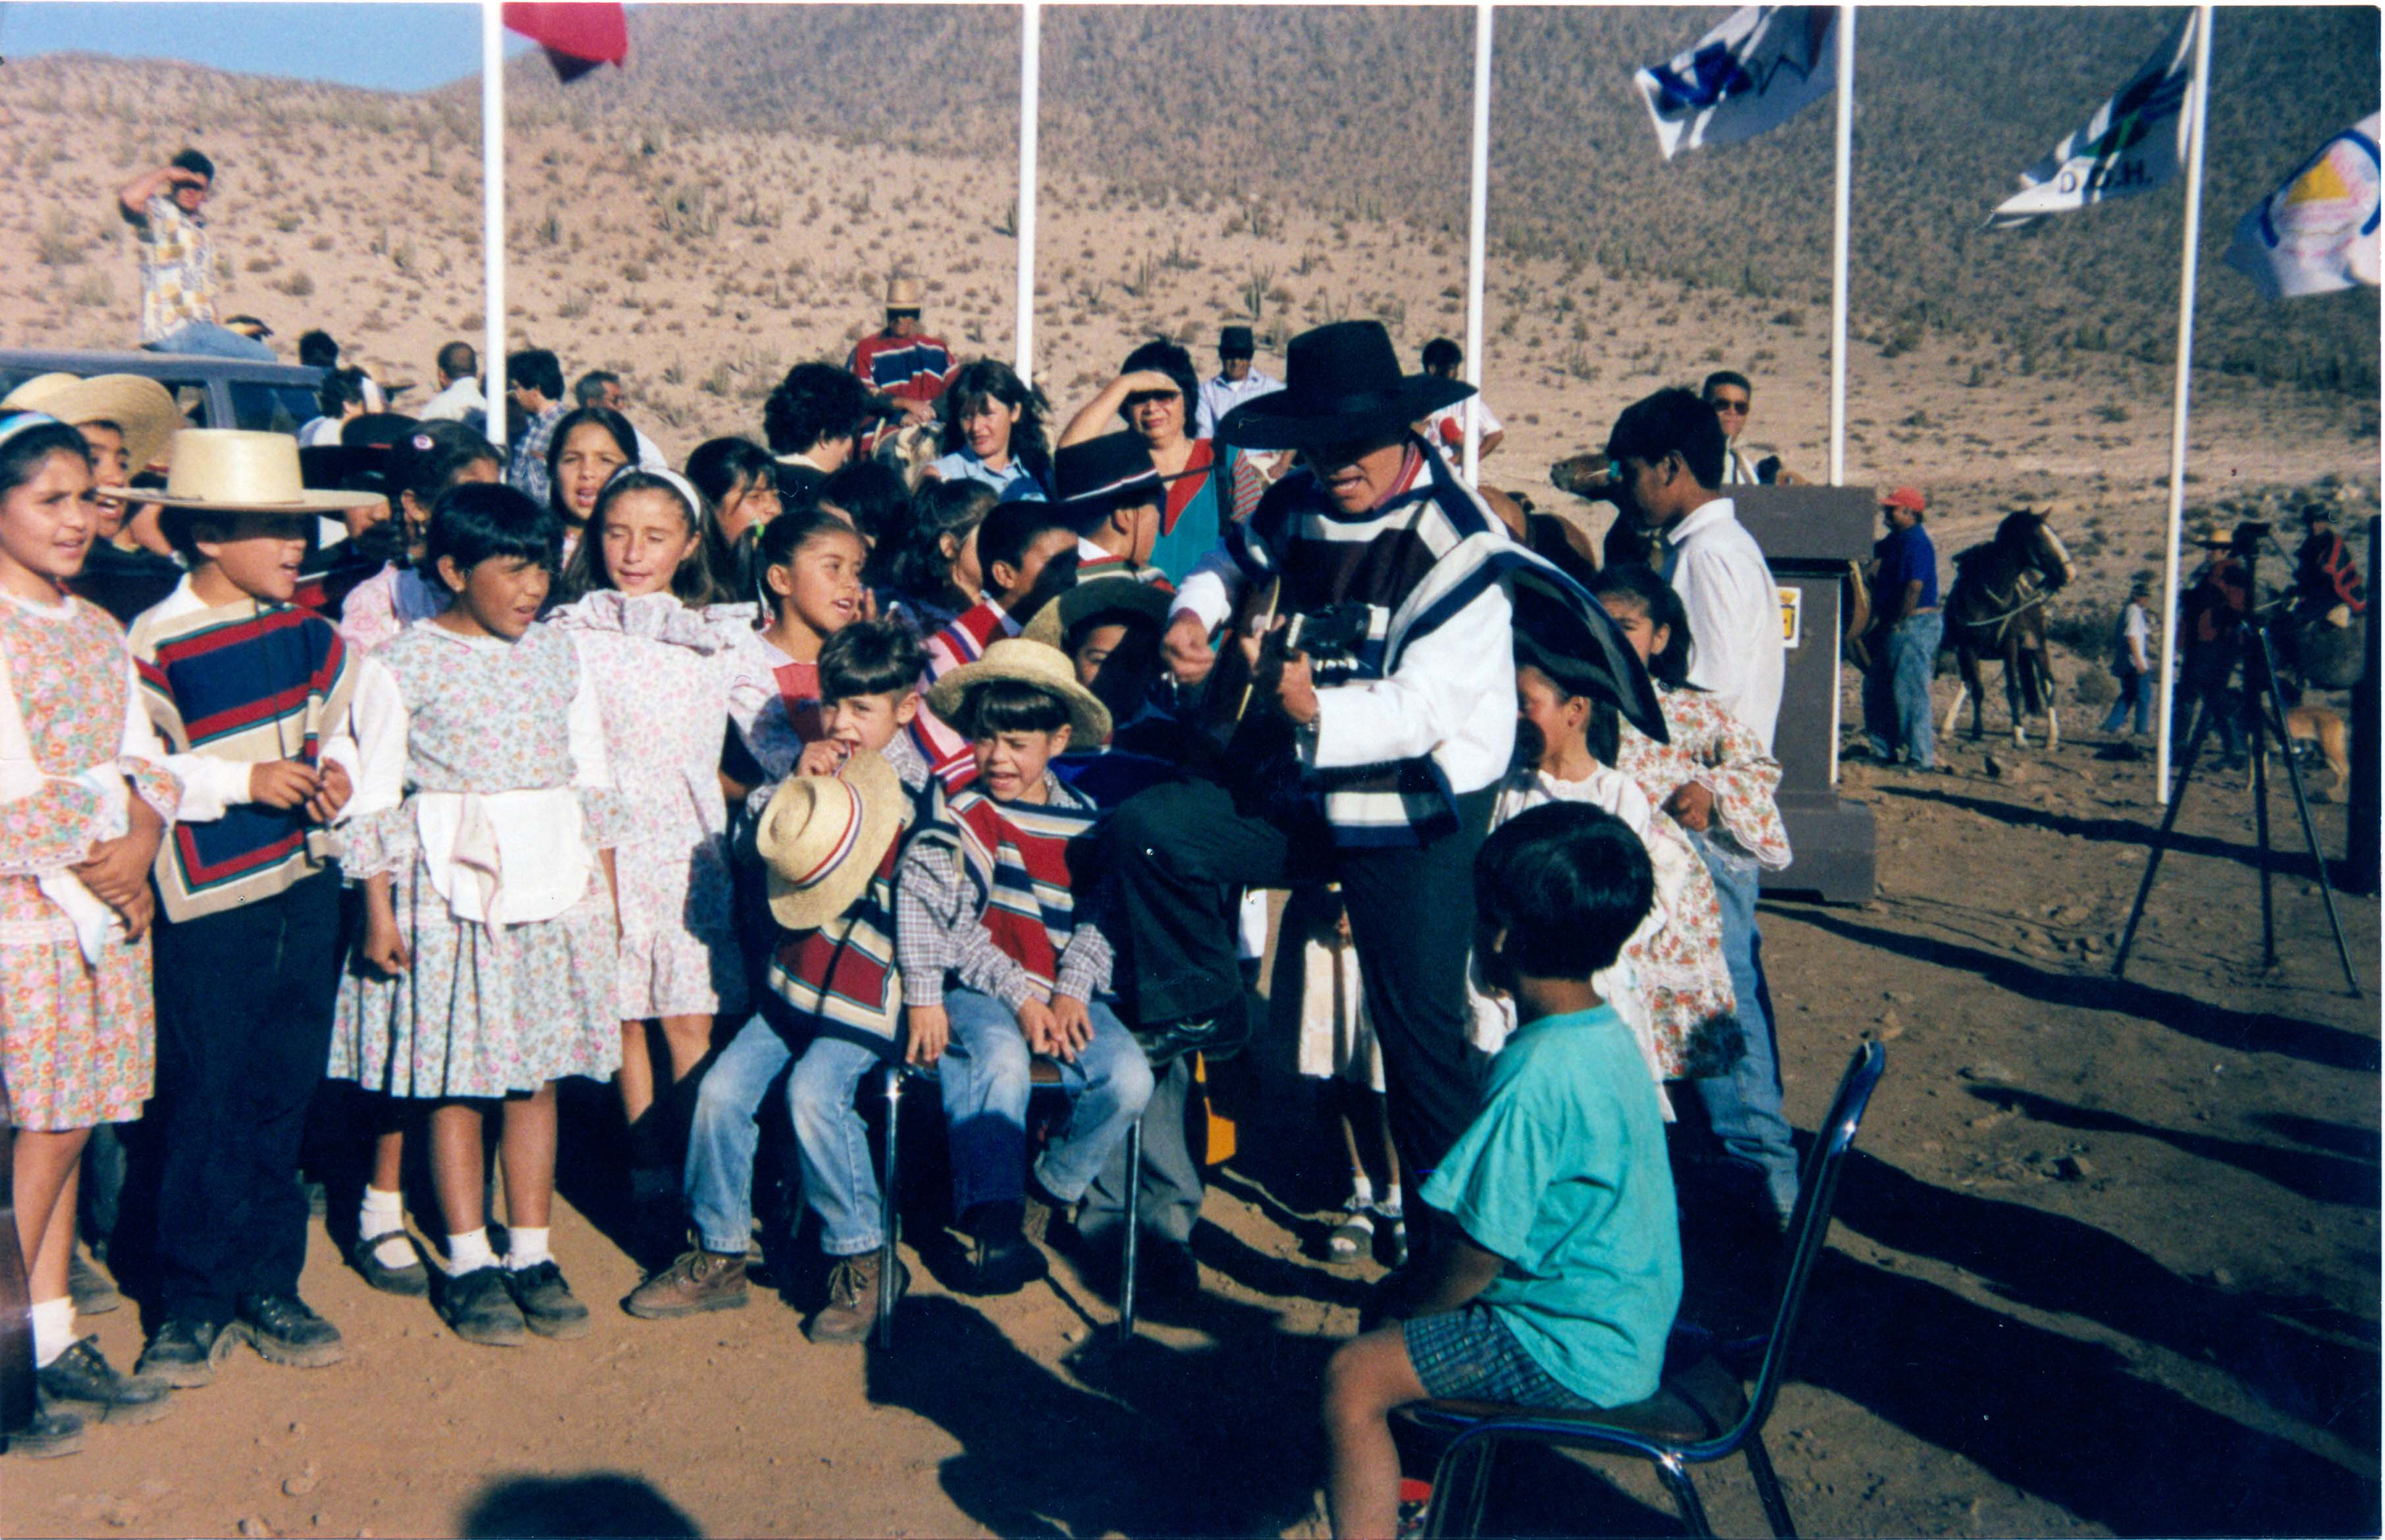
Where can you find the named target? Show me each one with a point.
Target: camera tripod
(2265, 718)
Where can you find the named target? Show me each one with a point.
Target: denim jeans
(1170, 1191)
(1743, 1106)
(984, 1077)
(727, 1126)
(1897, 691)
(840, 1183)
(2137, 693)
(215, 341)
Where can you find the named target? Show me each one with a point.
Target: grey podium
(1808, 535)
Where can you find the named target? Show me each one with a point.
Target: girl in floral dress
(1670, 985)
(84, 800)
(483, 828)
(668, 676)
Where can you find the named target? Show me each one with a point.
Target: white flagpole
(1478, 238)
(1030, 50)
(2198, 89)
(493, 213)
(1846, 46)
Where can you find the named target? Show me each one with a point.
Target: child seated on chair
(1564, 1269)
(985, 901)
(830, 836)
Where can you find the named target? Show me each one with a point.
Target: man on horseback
(1907, 625)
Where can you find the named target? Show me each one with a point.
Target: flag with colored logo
(1754, 72)
(577, 36)
(2316, 233)
(2134, 143)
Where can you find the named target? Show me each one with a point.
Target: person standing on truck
(178, 261)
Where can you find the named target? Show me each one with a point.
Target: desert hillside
(701, 243)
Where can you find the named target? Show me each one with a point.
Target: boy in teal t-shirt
(1562, 1288)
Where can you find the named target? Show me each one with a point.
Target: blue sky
(391, 47)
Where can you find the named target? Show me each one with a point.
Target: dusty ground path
(2107, 1262)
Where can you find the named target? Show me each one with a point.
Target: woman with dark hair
(994, 434)
(1209, 484)
(589, 445)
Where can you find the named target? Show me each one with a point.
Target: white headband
(694, 500)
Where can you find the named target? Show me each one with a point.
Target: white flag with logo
(2134, 143)
(1752, 74)
(2317, 233)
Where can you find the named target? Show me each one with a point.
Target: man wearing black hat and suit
(1236, 381)
(1386, 737)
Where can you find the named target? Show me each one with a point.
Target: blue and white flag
(1752, 73)
(2134, 143)
(2316, 233)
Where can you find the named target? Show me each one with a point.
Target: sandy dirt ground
(2106, 1261)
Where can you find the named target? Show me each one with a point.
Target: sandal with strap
(1354, 1236)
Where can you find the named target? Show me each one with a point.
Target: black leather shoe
(477, 1308)
(1004, 1265)
(1217, 1037)
(184, 1352)
(81, 1376)
(53, 1431)
(412, 1280)
(547, 1302)
(286, 1332)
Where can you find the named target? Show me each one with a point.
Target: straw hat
(903, 293)
(822, 837)
(1115, 594)
(237, 471)
(2023, 503)
(140, 406)
(1035, 663)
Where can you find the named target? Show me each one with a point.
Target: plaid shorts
(1469, 1354)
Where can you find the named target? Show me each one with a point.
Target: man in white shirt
(603, 388)
(1667, 453)
(1446, 429)
(459, 398)
(1732, 398)
(1236, 381)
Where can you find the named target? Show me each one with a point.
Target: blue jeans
(1743, 1105)
(984, 1077)
(1897, 691)
(840, 1183)
(727, 1126)
(218, 341)
(2137, 692)
(1170, 1195)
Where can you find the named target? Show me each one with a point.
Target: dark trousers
(245, 1002)
(1177, 856)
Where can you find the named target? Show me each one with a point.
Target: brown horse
(1996, 609)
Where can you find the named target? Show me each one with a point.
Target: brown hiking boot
(699, 1281)
(852, 1307)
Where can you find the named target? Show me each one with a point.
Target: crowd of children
(726, 796)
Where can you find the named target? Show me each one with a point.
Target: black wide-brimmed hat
(1235, 342)
(1342, 382)
(1101, 473)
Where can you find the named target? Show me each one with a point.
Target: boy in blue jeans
(831, 836)
(1564, 1267)
(987, 899)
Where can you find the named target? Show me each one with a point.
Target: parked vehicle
(212, 392)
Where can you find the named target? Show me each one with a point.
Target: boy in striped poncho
(252, 695)
(987, 898)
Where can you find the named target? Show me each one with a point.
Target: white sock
(469, 1251)
(526, 1249)
(54, 1324)
(1390, 1207)
(382, 1221)
(1362, 1190)
(383, 1214)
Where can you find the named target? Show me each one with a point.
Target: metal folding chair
(1696, 1417)
(1043, 1076)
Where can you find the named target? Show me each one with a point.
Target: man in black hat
(1236, 381)
(1110, 494)
(1372, 759)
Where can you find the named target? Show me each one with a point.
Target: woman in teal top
(1208, 485)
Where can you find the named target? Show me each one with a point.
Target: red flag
(576, 37)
